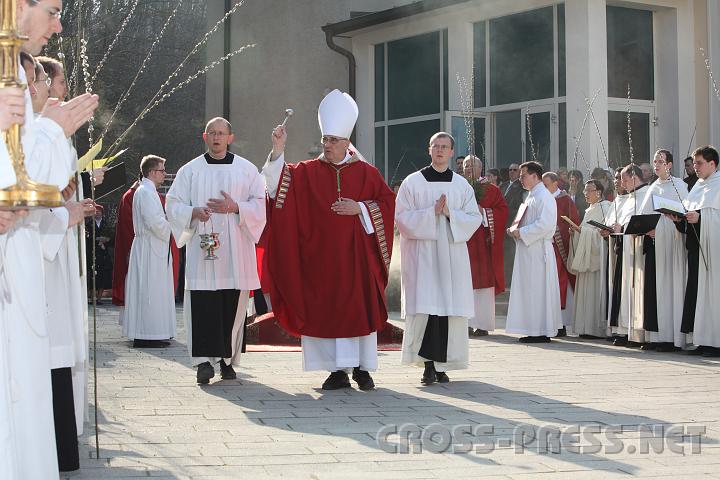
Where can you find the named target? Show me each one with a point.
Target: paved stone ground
(274, 421)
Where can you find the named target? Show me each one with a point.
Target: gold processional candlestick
(25, 193)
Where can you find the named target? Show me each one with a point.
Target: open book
(518, 217)
(665, 205)
(570, 222)
(601, 226)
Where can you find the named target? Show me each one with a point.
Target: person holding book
(665, 271)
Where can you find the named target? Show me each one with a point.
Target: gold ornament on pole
(25, 193)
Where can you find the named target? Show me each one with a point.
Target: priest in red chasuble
(328, 248)
(561, 245)
(486, 248)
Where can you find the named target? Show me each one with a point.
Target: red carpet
(266, 335)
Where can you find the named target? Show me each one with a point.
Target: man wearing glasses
(149, 314)
(221, 193)
(436, 214)
(329, 249)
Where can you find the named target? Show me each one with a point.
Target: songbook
(115, 179)
(666, 205)
(641, 224)
(518, 217)
(601, 226)
(570, 222)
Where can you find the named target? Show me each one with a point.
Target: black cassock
(692, 236)
(103, 255)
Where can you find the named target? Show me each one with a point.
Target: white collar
(148, 183)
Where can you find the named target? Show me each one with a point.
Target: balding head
(472, 167)
(550, 180)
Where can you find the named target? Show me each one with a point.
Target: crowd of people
(325, 231)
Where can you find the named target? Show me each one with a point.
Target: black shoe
(590, 337)
(336, 380)
(429, 374)
(620, 341)
(481, 333)
(226, 371)
(140, 343)
(632, 344)
(649, 346)
(363, 379)
(711, 352)
(535, 339)
(666, 347)
(204, 373)
(562, 332)
(696, 352)
(441, 377)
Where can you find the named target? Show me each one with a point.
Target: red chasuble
(561, 243)
(328, 274)
(124, 235)
(486, 245)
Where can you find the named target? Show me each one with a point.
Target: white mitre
(337, 114)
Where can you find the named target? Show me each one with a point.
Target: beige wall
(291, 67)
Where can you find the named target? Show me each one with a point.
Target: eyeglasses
(331, 140)
(52, 11)
(47, 81)
(442, 148)
(213, 133)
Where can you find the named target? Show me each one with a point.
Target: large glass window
(414, 76)
(537, 138)
(630, 53)
(380, 149)
(508, 138)
(380, 82)
(522, 57)
(408, 148)
(561, 50)
(479, 70)
(465, 143)
(618, 138)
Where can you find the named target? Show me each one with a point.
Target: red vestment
(124, 235)
(486, 245)
(329, 275)
(561, 243)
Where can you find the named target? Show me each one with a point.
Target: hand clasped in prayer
(224, 205)
(346, 206)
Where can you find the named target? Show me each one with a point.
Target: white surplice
(236, 268)
(48, 159)
(670, 265)
(435, 267)
(534, 306)
(705, 198)
(589, 252)
(149, 312)
(330, 354)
